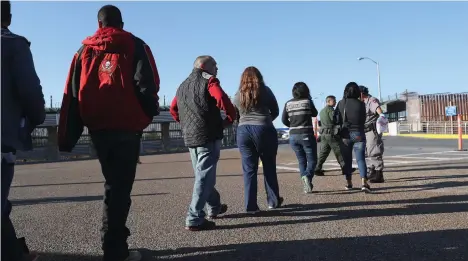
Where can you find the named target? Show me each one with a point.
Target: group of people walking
(198, 104)
(112, 89)
(351, 126)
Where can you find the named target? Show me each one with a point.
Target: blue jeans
(254, 142)
(305, 147)
(204, 160)
(356, 142)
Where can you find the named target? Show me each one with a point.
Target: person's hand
(346, 142)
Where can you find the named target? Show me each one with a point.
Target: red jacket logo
(107, 67)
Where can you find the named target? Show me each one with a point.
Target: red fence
(433, 106)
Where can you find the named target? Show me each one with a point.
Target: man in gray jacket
(22, 110)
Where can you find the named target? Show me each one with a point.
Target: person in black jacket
(22, 110)
(297, 115)
(352, 116)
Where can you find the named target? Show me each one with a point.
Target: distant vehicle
(283, 133)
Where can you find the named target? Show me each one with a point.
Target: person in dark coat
(23, 108)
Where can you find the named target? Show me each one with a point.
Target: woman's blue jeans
(356, 142)
(258, 142)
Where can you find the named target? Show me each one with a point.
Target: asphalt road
(405, 145)
(419, 214)
(399, 151)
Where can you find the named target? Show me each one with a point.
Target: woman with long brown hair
(257, 137)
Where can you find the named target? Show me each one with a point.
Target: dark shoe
(253, 212)
(366, 188)
(319, 173)
(280, 202)
(371, 174)
(22, 244)
(353, 170)
(133, 256)
(378, 178)
(30, 257)
(349, 187)
(307, 183)
(222, 210)
(206, 225)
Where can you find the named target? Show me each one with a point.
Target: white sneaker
(133, 256)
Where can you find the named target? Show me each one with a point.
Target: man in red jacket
(112, 90)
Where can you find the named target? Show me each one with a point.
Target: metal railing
(158, 137)
(432, 127)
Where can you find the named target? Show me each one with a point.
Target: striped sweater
(297, 115)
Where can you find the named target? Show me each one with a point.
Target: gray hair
(202, 60)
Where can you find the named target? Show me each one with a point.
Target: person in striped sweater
(297, 115)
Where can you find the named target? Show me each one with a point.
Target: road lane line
(414, 154)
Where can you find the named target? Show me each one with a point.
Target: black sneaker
(377, 178)
(206, 225)
(253, 212)
(223, 209)
(371, 173)
(307, 183)
(349, 187)
(280, 202)
(30, 257)
(319, 173)
(134, 256)
(366, 188)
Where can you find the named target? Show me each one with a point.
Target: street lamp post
(322, 101)
(378, 74)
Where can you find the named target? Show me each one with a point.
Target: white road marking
(331, 163)
(287, 168)
(394, 161)
(425, 153)
(458, 152)
(413, 157)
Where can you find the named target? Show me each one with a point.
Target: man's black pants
(13, 248)
(118, 154)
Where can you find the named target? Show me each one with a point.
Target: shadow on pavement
(409, 179)
(410, 187)
(409, 168)
(24, 202)
(67, 257)
(418, 246)
(428, 186)
(316, 212)
(138, 180)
